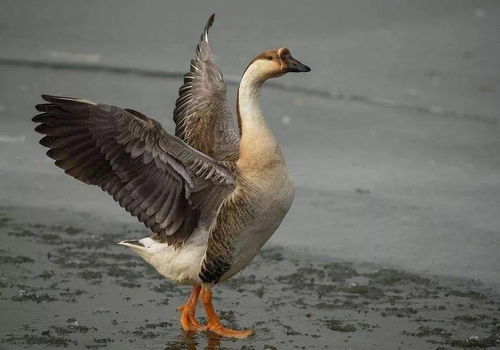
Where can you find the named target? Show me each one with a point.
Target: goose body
(212, 195)
(183, 266)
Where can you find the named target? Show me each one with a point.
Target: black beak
(296, 66)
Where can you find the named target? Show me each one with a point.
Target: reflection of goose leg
(214, 324)
(213, 341)
(188, 319)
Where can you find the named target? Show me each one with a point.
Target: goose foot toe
(230, 333)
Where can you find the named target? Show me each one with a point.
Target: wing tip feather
(65, 99)
(210, 22)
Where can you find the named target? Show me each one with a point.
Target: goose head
(274, 63)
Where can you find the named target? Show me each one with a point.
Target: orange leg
(214, 324)
(188, 320)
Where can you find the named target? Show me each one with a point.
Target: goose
(212, 194)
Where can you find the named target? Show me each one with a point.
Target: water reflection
(191, 341)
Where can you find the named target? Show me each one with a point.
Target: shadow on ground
(67, 285)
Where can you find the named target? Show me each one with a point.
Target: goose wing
(169, 186)
(202, 117)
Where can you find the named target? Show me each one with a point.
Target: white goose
(212, 194)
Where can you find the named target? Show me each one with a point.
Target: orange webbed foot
(192, 326)
(188, 319)
(227, 332)
(189, 322)
(214, 324)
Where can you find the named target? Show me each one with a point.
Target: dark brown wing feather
(202, 117)
(153, 175)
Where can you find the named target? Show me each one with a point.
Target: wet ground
(65, 283)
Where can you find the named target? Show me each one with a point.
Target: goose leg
(214, 324)
(188, 320)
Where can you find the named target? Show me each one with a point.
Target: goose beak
(296, 66)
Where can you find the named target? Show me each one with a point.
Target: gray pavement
(394, 146)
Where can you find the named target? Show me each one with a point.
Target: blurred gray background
(393, 138)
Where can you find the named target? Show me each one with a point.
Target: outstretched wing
(153, 175)
(202, 117)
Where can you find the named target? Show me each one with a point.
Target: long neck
(257, 142)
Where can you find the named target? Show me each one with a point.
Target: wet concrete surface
(66, 283)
